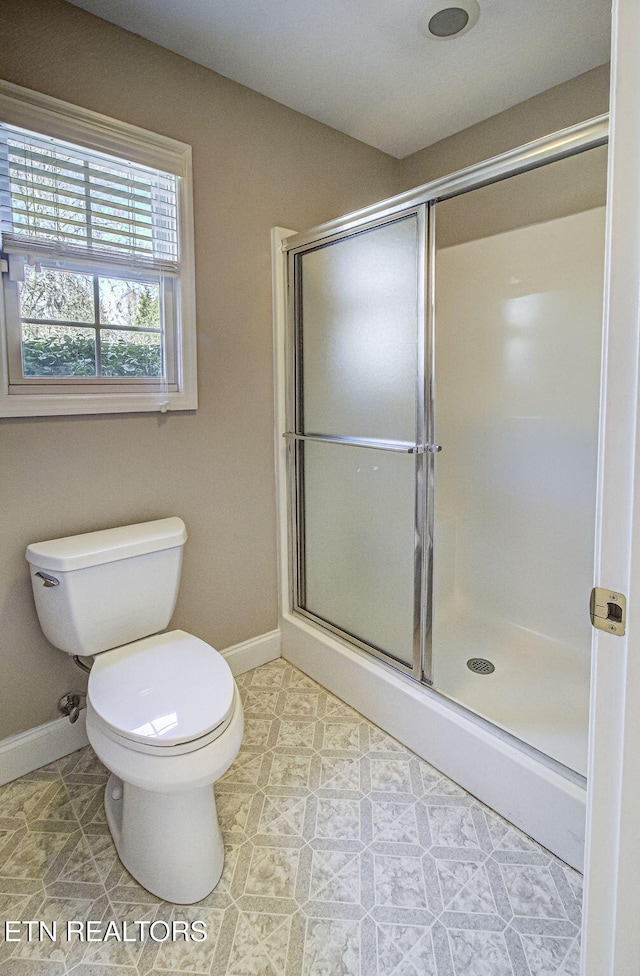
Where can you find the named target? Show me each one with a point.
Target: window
(97, 261)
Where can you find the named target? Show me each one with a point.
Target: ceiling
(365, 68)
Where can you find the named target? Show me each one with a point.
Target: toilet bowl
(163, 711)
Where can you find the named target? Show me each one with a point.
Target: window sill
(78, 404)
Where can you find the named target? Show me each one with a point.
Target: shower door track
(549, 149)
(420, 201)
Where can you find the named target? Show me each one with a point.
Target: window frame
(41, 397)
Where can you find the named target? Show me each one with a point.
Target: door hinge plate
(608, 610)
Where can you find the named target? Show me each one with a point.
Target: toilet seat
(132, 745)
(170, 693)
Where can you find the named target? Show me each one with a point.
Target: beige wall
(575, 101)
(256, 164)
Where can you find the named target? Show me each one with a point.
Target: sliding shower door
(467, 320)
(356, 430)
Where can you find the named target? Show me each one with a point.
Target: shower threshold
(529, 789)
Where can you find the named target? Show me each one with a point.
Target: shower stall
(440, 407)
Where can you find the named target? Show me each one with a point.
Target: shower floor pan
(539, 690)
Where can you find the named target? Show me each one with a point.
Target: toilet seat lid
(163, 690)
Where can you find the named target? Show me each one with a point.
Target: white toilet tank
(103, 589)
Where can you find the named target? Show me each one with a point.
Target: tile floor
(346, 856)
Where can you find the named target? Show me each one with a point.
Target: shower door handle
(399, 447)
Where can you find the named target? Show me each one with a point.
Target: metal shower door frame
(422, 202)
(418, 448)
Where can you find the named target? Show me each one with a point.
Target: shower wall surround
(517, 401)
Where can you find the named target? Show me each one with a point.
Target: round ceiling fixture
(447, 19)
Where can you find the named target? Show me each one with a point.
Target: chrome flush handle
(48, 580)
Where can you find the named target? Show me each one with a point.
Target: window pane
(130, 303)
(131, 353)
(58, 350)
(60, 295)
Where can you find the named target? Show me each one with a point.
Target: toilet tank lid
(107, 545)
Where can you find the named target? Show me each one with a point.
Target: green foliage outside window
(57, 296)
(58, 351)
(66, 352)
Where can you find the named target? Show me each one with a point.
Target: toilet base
(169, 842)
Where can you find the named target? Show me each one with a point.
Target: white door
(611, 943)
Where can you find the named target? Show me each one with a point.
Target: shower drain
(480, 665)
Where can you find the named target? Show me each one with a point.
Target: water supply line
(71, 703)
(80, 664)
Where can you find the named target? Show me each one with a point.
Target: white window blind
(97, 297)
(64, 201)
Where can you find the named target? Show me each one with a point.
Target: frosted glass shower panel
(360, 332)
(360, 544)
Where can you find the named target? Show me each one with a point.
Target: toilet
(163, 711)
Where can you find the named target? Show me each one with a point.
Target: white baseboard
(252, 653)
(26, 751)
(22, 753)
